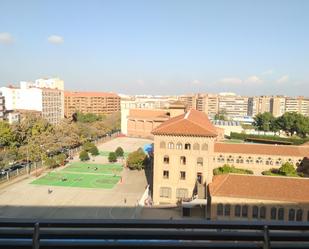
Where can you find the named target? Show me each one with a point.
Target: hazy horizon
(158, 47)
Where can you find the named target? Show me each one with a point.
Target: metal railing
(151, 234)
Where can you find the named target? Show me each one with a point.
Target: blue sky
(158, 47)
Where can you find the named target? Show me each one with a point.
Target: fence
(41, 234)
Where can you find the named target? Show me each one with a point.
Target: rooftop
(147, 114)
(191, 123)
(261, 187)
(262, 149)
(89, 94)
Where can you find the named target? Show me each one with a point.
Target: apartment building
(99, 103)
(2, 106)
(277, 105)
(232, 105)
(49, 102)
(298, 104)
(52, 83)
(259, 104)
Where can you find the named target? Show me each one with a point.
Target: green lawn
(106, 153)
(82, 167)
(77, 180)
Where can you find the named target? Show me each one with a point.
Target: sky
(158, 47)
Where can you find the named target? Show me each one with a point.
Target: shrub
(94, 151)
(60, 158)
(88, 146)
(112, 157)
(287, 169)
(225, 169)
(51, 162)
(119, 152)
(83, 156)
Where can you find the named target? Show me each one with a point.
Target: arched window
(278, 162)
(170, 145)
(269, 161)
(259, 160)
(249, 160)
(299, 162)
(263, 212)
(199, 161)
(196, 146)
(281, 214)
(220, 209)
(290, 160)
(227, 210)
(244, 211)
(204, 147)
(239, 159)
(255, 212)
(187, 146)
(237, 211)
(166, 159)
(220, 159)
(179, 146)
(230, 159)
(183, 160)
(291, 214)
(273, 213)
(162, 145)
(299, 215)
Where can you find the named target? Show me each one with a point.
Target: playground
(83, 175)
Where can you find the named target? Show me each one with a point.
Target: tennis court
(83, 175)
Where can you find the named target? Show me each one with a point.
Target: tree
(50, 162)
(88, 146)
(60, 158)
(6, 134)
(83, 156)
(112, 157)
(287, 169)
(136, 159)
(221, 115)
(119, 152)
(264, 122)
(94, 151)
(88, 117)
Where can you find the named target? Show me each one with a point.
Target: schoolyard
(103, 190)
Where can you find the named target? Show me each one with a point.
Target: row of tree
(290, 122)
(35, 139)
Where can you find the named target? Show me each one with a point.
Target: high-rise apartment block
(91, 102)
(53, 83)
(277, 105)
(233, 105)
(47, 101)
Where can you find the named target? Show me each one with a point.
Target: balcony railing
(151, 234)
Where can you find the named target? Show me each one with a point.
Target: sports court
(83, 175)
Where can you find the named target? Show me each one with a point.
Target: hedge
(243, 136)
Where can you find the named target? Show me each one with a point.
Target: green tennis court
(106, 153)
(77, 180)
(81, 167)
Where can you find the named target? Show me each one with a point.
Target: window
(244, 211)
(227, 210)
(166, 159)
(292, 214)
(162, 145)
(262, 212)
(187, 146)
(281, 214)
(165, 174)
(220, 209)
(204, 147)
(179, 146)
(255, 212)
(182, 193)
(196, 146)
(299, 215)
(220, 159)
(165, 192)
(273, 213)
(199, 161)
(199, 177)
(259, 160)
(240, 160)
(279, 162)
(183, 160)
(269, 161)
(182, 175)
(230, 159)
(237, 210)
(170, 145)
(249, 160)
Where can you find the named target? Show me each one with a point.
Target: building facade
(45, 100)
(99, 103)
(2, 106)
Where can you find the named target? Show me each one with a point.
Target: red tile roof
(262, 149)
(261, 187)
(192, 123)
(148, 114)
(89, 94)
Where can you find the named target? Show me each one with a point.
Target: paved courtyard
(25, 200)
